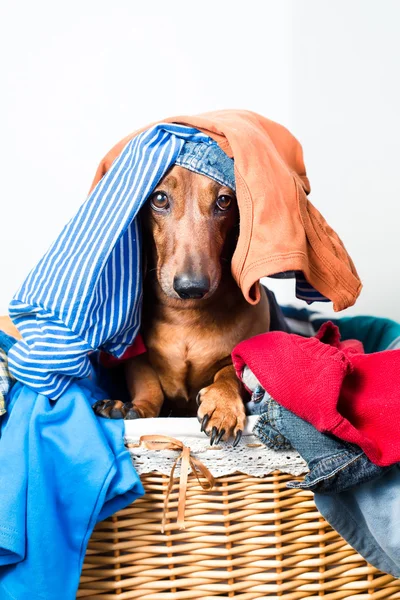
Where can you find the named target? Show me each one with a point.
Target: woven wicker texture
(247, 539)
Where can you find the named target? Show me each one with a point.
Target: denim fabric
(358, 499)
(209, 160)
(334, 465)
(6, 379)
(367, 517)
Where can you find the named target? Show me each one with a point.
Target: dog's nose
(189, 288)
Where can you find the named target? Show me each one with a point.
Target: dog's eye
(224, 202)
(159, 201)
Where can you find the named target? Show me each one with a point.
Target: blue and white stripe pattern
(86, 291)
(306, 292)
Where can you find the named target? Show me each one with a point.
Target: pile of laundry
(335, 398)
(63, 469)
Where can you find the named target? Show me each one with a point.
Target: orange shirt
(280, 230)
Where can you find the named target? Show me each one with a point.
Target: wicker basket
(248, 538)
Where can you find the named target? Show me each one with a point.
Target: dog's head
(191, 223)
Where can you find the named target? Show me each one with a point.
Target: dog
(194, 313)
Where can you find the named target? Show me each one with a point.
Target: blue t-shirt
(62, 469)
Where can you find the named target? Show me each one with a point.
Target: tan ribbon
(164, 442)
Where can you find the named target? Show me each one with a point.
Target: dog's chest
(186, 358)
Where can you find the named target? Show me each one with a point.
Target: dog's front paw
(221, 412)
(115, 409)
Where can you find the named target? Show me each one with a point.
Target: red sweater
(333, 386)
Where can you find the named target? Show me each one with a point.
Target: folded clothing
(338, 390)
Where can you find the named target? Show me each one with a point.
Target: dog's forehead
(182, 178)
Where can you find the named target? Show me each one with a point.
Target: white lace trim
(250, 457)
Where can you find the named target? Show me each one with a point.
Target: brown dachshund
(194, 313)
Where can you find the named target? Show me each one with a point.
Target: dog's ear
(145, 260)
(230, 243)
(147, 248)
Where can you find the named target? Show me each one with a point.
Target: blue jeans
(334, 465)
(359, 499)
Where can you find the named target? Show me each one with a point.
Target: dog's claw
(101, 408)
(219, 438)
(108, 403)
(237, 438)
(116, 413)
(204, 422)
(118, 410)
(114, 409)
(198, 399)
(214, 434)
(131, 414)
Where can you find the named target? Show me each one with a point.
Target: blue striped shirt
(306, 292)
(86, 291)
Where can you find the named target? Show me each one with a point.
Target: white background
(77, 76)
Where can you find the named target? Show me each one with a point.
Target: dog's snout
(189, 287)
